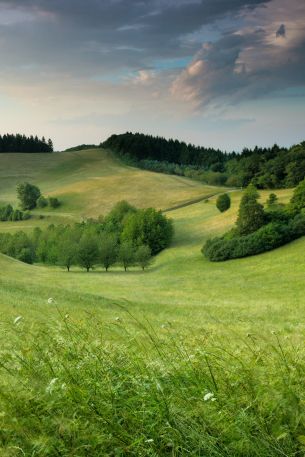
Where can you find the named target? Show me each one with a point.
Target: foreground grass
(126, 388)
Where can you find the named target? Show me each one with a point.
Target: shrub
(223, 202)
(42, 202)
(53, 202)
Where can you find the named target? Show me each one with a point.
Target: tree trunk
(88, 268)
(68, 268)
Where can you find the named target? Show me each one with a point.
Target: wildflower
(150, 440)
(51, 300)
(51, 385)
(118, 319)
(209, 396)
(18, 320)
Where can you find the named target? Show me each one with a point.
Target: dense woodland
(22, 143)
(274, 167)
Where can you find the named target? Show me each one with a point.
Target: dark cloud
(242, 66)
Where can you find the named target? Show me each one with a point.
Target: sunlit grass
(120, 363)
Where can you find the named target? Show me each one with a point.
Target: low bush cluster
(8, 213)
(265, 239)
(126, 236)
(258, 231)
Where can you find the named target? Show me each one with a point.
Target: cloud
(248, 63)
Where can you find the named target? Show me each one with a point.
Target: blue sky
(222, 73)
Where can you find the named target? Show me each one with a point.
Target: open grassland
(122, 363)
(88, 184)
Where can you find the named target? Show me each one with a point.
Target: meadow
(187, 358)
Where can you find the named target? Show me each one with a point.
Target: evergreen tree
(297, 202)
(251, 214)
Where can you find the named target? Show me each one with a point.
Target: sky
(221, 73)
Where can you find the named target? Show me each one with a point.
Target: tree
(108, 251)
(272, 200)
(50, 145)
(87, 254)
(297, 202)
(149, 227)
(66, 251)
(251, 214)
(223, 202)
(28, 195)
(143, 256)
(126, 254)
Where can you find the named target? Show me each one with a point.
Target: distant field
(90, 182)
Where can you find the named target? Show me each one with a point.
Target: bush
(223, 202)
(268, 237)
(53, 202)
(42, 202)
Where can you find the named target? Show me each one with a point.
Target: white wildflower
(18, 320)
(50, 387)
(117, 319)
(51, 300)
(209, 396)
(150, 440)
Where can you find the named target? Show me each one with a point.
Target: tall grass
(91, 388)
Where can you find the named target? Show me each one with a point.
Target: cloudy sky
(225, 73)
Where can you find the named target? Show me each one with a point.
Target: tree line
(272, 167)
(23, 143)
(126, 236)
(259, 229)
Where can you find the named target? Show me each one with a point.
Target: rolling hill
(126, 363)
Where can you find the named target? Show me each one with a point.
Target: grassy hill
(89, 183)
(137, 352)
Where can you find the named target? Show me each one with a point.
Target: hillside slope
(90, 182)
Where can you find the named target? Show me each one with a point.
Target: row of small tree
(8, 213)
(126, 236)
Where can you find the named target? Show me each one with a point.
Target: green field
(137, 351)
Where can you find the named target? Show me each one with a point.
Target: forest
(267, 168)
(23, 143)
